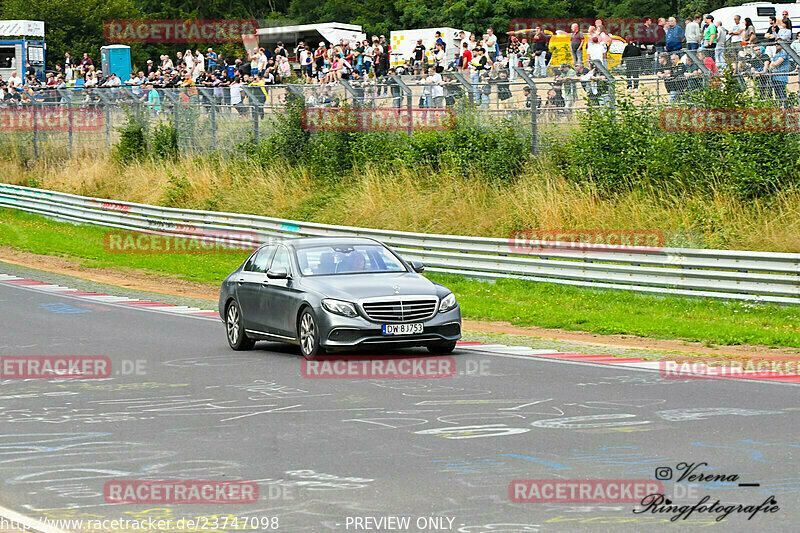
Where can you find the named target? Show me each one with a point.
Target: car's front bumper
(338, 331)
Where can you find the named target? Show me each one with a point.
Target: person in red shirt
(466, 57)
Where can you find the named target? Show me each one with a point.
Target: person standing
(721, 44)
(491, 45)
(512, 51)
(466, 57)
(710, 33)
(674, 36)
(779, 68)
(540, 53)
(694, 36)
(631, 55)
(439, 58)
(211, 58)
(575, 44)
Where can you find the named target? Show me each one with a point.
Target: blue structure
(116, 59)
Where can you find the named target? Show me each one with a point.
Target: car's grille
(401, 309)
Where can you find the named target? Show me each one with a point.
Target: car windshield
(347, 259)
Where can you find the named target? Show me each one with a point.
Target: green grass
(39, 235)
(714, 322)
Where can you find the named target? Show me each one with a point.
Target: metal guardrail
(727, 274)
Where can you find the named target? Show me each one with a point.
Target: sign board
(27, 28)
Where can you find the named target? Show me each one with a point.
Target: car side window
(259, 262)
(281, 260)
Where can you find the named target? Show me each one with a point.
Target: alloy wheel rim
(233, 324)
(307, 333)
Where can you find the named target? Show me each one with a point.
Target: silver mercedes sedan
(335, 293)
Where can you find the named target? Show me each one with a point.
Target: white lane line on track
(628, 366)
(164, 310)
(30, 523)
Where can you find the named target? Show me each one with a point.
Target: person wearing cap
(788, 22)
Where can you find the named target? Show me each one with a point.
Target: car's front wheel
(442, 347)
(308, 333)
(234, 327)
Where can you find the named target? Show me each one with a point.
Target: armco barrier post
(107, 119)
(67, 98)
(35, 132)
(705, 71)
(255, 124)
(795, 57)
(534, 108)
(470, 89)
(173, 98)
(409, 98)
(69, 134)
(612, 100)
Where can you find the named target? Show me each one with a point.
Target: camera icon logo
(663, 473)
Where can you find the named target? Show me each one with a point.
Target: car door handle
(240, 281)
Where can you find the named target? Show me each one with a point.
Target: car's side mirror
(417, 266)
(278, 273)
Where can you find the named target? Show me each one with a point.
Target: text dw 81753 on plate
(402, 329)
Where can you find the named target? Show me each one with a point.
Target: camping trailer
(759, 13)
(312, 34)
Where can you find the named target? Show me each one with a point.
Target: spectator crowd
(489, 65)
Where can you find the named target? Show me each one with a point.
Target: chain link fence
(56, 123)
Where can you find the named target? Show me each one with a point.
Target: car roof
(310, 242)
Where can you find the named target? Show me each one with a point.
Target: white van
(759, 13)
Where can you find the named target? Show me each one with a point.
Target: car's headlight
(448, 303)
(339, 307)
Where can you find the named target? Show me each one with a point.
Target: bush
(132, 145)
(491, 152)
(176, 191)
(614, 149)
(164, 142)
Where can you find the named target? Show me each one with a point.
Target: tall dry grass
(443, 203)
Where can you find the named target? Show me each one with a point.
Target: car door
(249, 283)
(282, 297)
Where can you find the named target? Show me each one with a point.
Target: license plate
(402, 329)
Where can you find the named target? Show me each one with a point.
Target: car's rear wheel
(442, 347)
(308, 333)
(234, 327)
